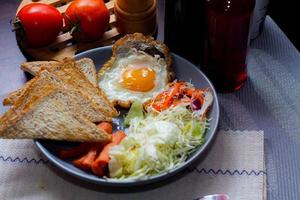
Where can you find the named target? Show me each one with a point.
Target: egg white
(109, 82)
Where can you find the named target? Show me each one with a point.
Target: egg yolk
(138, 79)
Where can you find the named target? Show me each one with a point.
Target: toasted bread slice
(140, 42)
(143, 43)
(47, 82)
(134, 45)
(71, 75)
(85, 65)
(49, 117)
(35, 66)
(12, 97)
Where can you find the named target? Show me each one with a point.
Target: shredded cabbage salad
(156, 142)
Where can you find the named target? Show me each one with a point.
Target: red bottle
(226, 42)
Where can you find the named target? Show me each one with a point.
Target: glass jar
(226, 41)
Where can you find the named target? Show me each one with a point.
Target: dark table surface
(11, 77)
(269, 101)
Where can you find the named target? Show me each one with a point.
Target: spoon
(214, 197)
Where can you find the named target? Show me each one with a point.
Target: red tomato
(41, 24)
(87, 19)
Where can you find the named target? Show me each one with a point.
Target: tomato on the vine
(87, 20)
(39, 23)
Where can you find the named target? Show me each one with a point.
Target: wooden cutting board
(65, 45)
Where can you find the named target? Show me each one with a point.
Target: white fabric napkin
(234, 166)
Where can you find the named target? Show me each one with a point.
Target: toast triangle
(46, 82)
(85, 65)
(49, 117)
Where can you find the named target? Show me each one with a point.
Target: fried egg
(136, 76)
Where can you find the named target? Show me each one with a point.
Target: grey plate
(184, 71)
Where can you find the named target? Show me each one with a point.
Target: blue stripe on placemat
(200, 171)
(228, 172)
(23, 160)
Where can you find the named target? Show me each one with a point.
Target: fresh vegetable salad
(161, 139)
